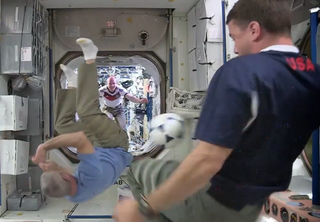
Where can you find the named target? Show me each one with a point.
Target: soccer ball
(167, 129)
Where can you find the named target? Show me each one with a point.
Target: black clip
(207, 18)
(206, 63)
(20, 203)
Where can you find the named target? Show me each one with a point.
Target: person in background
(113, 95)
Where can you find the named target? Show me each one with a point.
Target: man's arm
(130, 97)
(192, 175)
(133, 98)
(50, 165)
(77, 140)
(68, 170)
(103, 88)
(225, 114)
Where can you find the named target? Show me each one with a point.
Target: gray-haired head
(53, 185)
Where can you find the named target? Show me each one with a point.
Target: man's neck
(74, 189)
(271, 41)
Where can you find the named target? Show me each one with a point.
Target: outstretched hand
(48, 165)
(144, 100)
(127, 210)
(40, 156)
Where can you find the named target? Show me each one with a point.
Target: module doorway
(142, 74)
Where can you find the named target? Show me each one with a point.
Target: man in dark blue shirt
(260, 111)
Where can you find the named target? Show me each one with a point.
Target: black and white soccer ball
(167, 129)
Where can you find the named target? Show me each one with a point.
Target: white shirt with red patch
(115, 98)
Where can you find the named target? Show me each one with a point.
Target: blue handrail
(89, 217)
(315, 135)
(224, 36)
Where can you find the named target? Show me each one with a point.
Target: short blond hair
(53, 185)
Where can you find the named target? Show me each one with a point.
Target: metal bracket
(207, 63)
(298, 6)
(226, 2)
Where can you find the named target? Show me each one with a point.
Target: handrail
(314, 13)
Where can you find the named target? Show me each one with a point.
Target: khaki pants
(146, 175)
(99, 129)
(118, 114)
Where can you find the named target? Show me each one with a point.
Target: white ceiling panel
(178, 5)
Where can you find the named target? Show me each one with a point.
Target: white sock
(89, 49)
(72, 77)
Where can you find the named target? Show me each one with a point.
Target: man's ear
(255, 30)
(66, 177)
